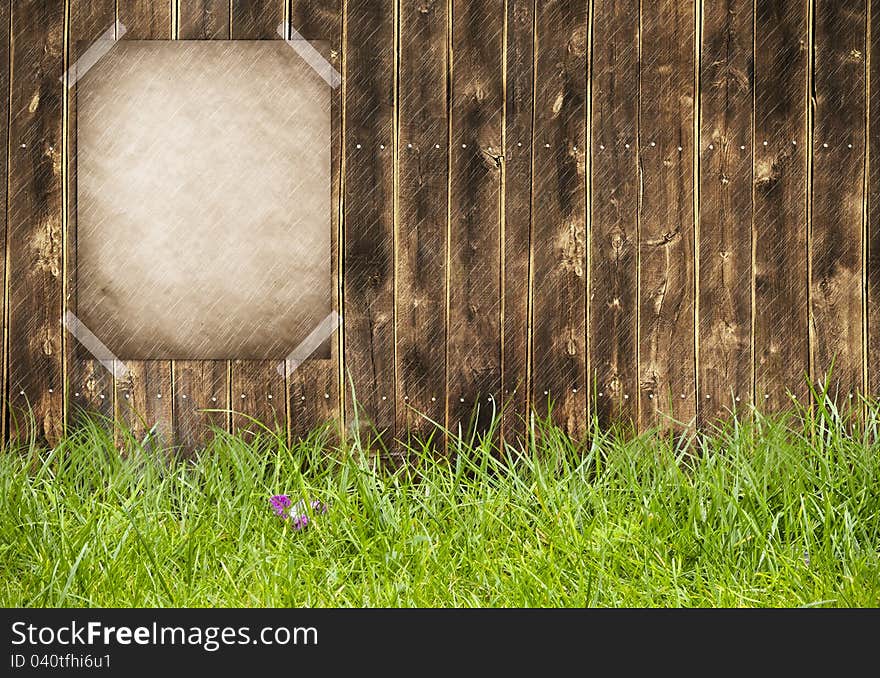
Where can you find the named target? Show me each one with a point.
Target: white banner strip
(312, 57)
(94, 345)
(93, 54)
(310, 344)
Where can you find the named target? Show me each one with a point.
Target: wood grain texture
(144, 397)
(837, 196)
(422, 204)
(614, 203)
(145, 401)
(666, 236)
(89, 19)
(90, 384)
(34, 234)
(517, 215)
(559, 215)
(780, 203)
(474, 332)
(257, 380)
(256, 19)
(491, 225)
(314, 386)
(369, 219)
(203, 20)
(145, 19)
(201, 387)
(257, 396)
(873, 234)
(5, 67)
(725, 283)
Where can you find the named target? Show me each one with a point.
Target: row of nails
(433, 398)
(652, 144)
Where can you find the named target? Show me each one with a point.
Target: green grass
(767, 512)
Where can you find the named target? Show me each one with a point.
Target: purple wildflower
(280, 504)
(285, 509)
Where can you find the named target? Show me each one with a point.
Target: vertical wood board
(614, 202)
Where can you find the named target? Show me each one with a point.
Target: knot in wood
(613, 386)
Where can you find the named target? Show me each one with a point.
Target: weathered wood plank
(263, 387)
(145, 19)
(517, 215)
(422, 204)
(256, 19)
(89, 20)
(780, 203)
(614, 217)
(666, 231)
(257, 395)
(725, 254)
(368, 279)
(314, 385)
(144, 396)
(474, 332)
(201, 397)
(873, 258)
(203, 20)
(90, 384)
(144, 402)
(35, 256)
(5, 67)
(559, 214)
(837, 196)
(200, 386)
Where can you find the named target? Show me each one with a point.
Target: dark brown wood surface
(559, 214)
(368, 278)
(474, 332)
(145, 19)
(614, 204)
(781, 340)
(258, 391)
(518, 112)
(513, 212)
(144, 396)
(89, 383)
(666, 230)
(145, 400)
(873, 255)
(725, 253)
(315, 385)
(201, 397)
(34, 227)
(257, 396)
(5, 67)
(838, 143)
(257, 19)
(423, 158)
(203, 20)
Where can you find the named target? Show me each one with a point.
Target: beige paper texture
(203, 200)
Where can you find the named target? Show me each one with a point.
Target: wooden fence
(658, 211)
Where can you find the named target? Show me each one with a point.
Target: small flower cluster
(283, 507)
